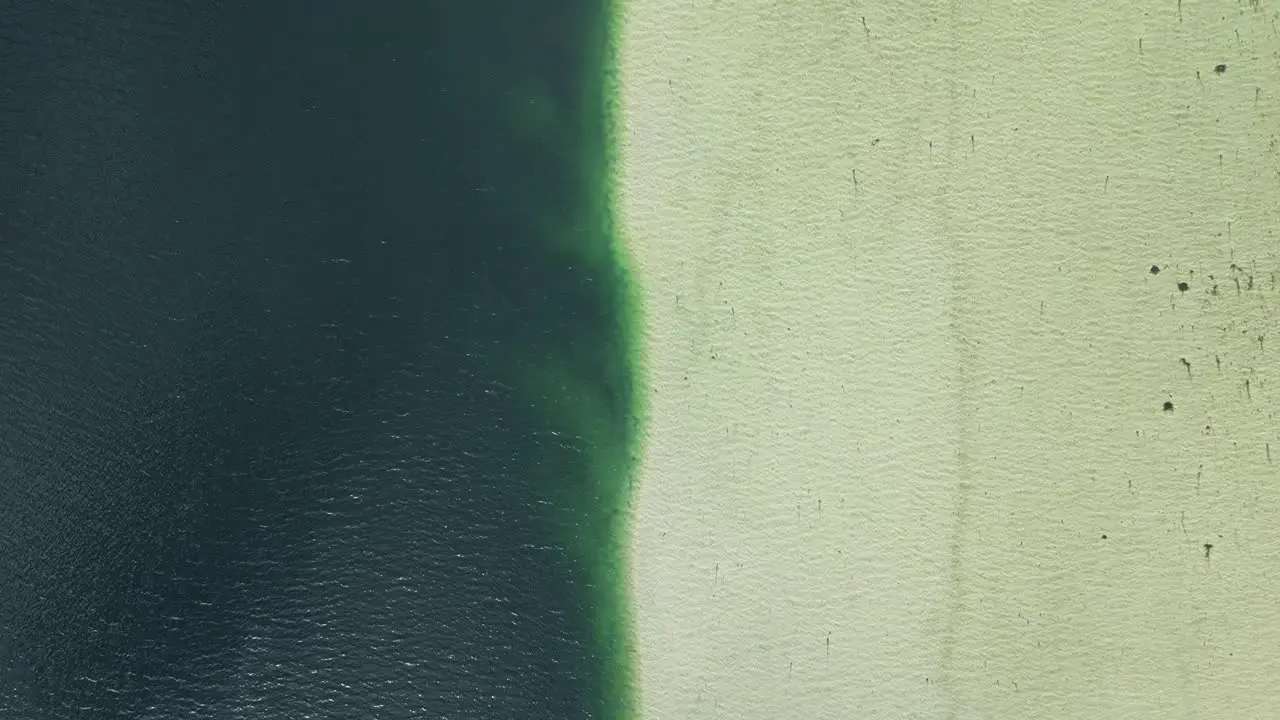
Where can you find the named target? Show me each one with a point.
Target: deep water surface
(289, 293)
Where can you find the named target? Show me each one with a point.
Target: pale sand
(890, 421)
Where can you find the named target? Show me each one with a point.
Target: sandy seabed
(933, 430)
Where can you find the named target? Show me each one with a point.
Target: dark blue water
(259, 266)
